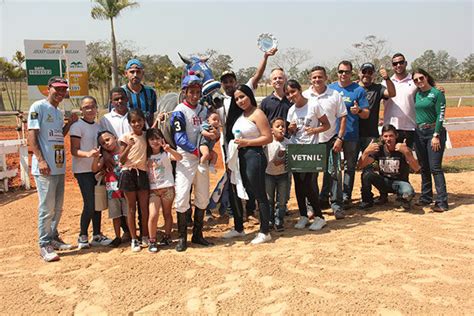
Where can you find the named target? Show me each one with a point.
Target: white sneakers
(317, 224)
(233, 234)
(261, 238)
(83, 242)
(302, 222)
(100, 240)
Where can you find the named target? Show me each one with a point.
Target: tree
(440, 65)
(468, 68)
(12, 76)
(109, 10)
(244, 74)
(427, 61)
(291, 59)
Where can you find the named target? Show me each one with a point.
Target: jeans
(351, 153)
(51, 197)
(253, 162)
(86, 184)
(306, 187)
(332, 177)
(363, 144)
(430, 162)
(280, 184)
(250, 205)
(385, 185)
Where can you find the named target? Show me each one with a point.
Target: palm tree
(108, 10)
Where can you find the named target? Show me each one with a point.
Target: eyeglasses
(396, 63)
(347, 72)
(419, 79)
(368, 72)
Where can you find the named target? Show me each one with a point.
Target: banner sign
(45, 59)
(306, 158)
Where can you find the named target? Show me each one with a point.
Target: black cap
(366, 66)
(228, 73)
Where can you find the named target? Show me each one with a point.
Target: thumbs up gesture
(355, 108)
(383, 73)
(402, 147)
(373, 147)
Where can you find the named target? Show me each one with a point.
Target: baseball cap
(57, 82)
(228, 73)
(190, 80)
(366, 66)
(132, 62)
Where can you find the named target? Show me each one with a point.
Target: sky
(326, 28)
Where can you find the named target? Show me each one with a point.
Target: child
(276, 177)
(160, 176)
(209, 129)
(84, 149)
(116, 199)
(133, 178)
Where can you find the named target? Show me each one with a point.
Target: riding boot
(197, 228)
(189, 217)
(183, 232)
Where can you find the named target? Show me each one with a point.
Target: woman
(306, 121)
(244, 116)
(430, 139)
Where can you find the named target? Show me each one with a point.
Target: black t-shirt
(369, 127)
(274, 107)
(392, 165)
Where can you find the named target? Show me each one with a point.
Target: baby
(209, 129)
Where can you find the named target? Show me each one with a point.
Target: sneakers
(302, 222)
(279, 227)
(439, 209)
(365, 205)
(233, 234)
(339, 214)
(317, 224)
(83, 242)
(165, 241)
(261, 238)
(145, 242)
(59, 244)
(116, 242)
(48, 254)
(135, 245)
(153, 247)
(100, 240)
(381, 200)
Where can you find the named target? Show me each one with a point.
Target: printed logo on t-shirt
(197, 121)
(59, 155)
(390, 165)
(49, 118)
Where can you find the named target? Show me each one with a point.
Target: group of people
(143, 173)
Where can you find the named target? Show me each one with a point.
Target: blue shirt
(49, 122)
(349, 94)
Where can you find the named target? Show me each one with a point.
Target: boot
(189, 217)
(197, 228)
(183, 233)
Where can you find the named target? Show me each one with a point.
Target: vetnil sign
(306, 158)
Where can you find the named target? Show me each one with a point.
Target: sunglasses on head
(419, 79)
(401, 62)
(344, 72)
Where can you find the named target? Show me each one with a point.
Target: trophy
(266, 42)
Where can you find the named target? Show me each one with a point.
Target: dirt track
(381, 262)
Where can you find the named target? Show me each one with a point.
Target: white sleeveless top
(248, 129)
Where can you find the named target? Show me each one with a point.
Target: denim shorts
(133, 180)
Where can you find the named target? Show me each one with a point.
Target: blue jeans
(430, 162)
(332, 177)
(278, 184)
(51, 197)
(351, 153)
(385, 185)
(253, 162)
(86, 184)
(363, 144)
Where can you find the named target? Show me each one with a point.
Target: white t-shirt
(306, 116)
(87, 133)
(400, 110)
(332, 105)
(160, 171)
(115, 123)
(276, 152)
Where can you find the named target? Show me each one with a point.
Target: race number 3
(177, 126)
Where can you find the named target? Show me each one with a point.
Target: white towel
(233, 166)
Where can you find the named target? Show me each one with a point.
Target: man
(395, 160)
(334, 108)
(399, 110)
(139, 95)
(46, 131)
(355, 99)
(276, 104)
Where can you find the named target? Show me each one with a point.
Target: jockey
(185, 123)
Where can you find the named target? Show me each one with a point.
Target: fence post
(460, 101)
(25, 178)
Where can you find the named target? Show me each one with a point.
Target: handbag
(100, 195)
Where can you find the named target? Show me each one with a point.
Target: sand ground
(383, 261)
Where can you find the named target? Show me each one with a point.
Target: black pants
(306, 187)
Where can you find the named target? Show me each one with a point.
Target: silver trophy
(266, 42)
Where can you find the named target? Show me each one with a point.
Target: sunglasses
(419, 79)
(344, 72)
(396, 63)
(367, 72)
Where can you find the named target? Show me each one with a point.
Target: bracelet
(340, 138)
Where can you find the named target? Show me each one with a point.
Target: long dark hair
(428, 77)
(150, 134)
(235, 111)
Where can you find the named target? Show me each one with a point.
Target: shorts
(117, 208)
(166, 194)
(133, 180)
